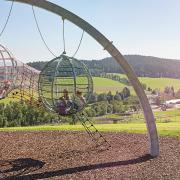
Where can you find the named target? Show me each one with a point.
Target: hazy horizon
(111, 56)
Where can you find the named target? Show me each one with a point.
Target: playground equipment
(17, 80)
(113, 51)
(26, 84)
(65, 85)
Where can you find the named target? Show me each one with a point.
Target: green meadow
(157, 83)
(160, 83)
(164, 129)
(104, 85)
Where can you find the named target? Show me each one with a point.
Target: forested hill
(143, 66)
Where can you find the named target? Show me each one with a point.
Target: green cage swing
(65, 85)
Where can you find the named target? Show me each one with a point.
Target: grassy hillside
(104, 85)
(159, 83)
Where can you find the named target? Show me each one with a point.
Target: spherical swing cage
(65, 85)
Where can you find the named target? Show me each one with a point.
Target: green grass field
(135, 125)
(160, 116)
(15, 95)
(104, 85)
(159, 83)
(164, 129)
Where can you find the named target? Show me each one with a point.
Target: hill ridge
(144, 66)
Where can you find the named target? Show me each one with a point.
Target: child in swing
(61, 106)
(64, 103)
(79, 100)
(4, 89)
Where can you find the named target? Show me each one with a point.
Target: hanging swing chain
(64, 40)
(80, 42)
(7, 20)
(40, 33)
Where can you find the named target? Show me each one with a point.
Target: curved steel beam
(113, 51)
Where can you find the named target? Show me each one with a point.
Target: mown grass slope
(104, 85)
(159, 83)
(164, 129)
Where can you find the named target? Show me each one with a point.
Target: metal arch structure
(114, 52)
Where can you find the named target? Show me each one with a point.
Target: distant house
(172, 102)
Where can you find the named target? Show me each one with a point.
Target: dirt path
(69, 155)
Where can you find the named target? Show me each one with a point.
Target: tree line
(144, 66)
(23, 114)
(116, 77)
(107, 103)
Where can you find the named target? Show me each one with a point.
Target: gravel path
(71, 155)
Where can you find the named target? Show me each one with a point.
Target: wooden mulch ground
(71, 155)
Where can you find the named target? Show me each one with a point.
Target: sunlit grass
(17, 94)
(157, 83)
(164, 129)
(104, 85)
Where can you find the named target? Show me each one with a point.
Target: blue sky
(136, 27)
